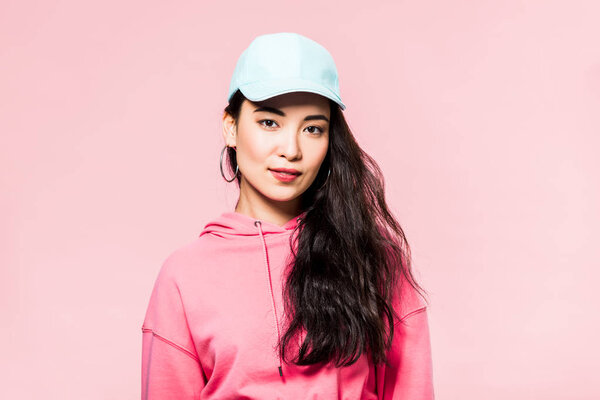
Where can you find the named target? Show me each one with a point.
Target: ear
(229, 130)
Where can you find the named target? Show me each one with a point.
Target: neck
(256, 205)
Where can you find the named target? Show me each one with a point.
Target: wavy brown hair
(346, 259)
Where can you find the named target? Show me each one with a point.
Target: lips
(286, 171)
(283, 175)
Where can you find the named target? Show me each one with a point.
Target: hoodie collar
(238, 224)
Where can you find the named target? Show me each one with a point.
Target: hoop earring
(221, 167)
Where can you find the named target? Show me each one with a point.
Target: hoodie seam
(187, 325)
(410, 314)
(172, 344)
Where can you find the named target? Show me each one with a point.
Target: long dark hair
(350, 254)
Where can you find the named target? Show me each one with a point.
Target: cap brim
(262, 90)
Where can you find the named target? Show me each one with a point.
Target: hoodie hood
(232, 225)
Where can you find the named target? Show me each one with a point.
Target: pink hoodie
(215, 315)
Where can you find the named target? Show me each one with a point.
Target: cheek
(252, 151)
(316, 154)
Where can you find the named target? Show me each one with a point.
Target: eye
(320, 131)
(268, 123)
(266, 120)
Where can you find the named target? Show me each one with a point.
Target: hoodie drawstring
(259, 225)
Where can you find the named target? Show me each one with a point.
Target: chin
(283, 198)
(283, 194)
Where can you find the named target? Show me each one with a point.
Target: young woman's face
(287, 131)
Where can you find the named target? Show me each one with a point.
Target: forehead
(295, 100)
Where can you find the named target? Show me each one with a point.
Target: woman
(305, 290)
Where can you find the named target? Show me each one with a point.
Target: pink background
(483, 115)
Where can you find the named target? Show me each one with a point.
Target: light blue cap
(285, 62)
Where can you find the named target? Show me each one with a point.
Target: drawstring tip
(280, 371)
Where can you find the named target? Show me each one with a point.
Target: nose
(289, 145)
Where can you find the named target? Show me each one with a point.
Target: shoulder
(180, 260)
(408, 299)
(179, 269)
(173, 267)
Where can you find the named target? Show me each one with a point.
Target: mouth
(285, 171)
(284, 175)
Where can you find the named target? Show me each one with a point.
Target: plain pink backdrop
(483, 115)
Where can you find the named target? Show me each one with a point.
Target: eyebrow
(279, 112)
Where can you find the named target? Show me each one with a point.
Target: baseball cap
(284, 62)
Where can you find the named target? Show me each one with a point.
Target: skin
(264, 140)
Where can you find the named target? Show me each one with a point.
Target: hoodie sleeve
(171, 368)
(409, 375)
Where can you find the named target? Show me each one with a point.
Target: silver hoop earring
(221, 167)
